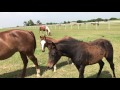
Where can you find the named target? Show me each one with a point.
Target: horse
(45, 28)
(82, 53)
(22, 41)
(95, 24)
(44, 43)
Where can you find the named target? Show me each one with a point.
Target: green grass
(12, 67)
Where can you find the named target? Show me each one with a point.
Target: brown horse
(44, 43)
(45, 40)
(21, 41)
(46, 29)
(82, 53)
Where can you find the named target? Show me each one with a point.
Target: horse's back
(18, 40)
(106, 45)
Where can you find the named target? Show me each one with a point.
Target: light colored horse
(46, 29)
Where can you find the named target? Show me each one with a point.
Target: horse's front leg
(81, 71)
(54, 68)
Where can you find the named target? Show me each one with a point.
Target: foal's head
(54, 55)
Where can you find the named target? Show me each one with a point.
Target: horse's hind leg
(110, 60)
(54, 68)
(34, 60)
(81, 71)
(101, 64)
(25, 62)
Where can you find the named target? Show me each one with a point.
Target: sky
(13, 19)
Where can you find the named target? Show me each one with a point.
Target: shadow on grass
(17, 74)
(104, 74)
(29, 71)
(59, 65)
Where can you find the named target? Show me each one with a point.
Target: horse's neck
(51, 39)
(59, 40)
(47, 28)
(66, 50)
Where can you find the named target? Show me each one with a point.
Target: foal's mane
(57, 40)
(68, 40)
(50, 39)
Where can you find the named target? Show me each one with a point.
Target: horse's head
(54, 55)
(43, 43)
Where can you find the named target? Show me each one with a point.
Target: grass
(12, 67)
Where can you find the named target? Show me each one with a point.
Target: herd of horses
(80, 53)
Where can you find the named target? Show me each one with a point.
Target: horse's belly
(4, 54)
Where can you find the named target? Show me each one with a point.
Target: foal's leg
(101, 64)
(110, 60)
(81, 71)
(25, 62)
(54, 68)
(34, 60)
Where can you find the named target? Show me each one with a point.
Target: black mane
(70, 40)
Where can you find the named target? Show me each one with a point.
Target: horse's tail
(34, 40)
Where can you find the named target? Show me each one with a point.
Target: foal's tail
(34, 39)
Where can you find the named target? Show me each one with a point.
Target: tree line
(97, 20)
(31, 23)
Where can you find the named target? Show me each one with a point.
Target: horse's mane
(51, 39)
(69, 40)
(57, 40)
(63, 40)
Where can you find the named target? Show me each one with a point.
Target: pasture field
(12, 67)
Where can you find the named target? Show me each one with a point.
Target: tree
(38, 22)
(68, 22)
(99, 19)
(64, 22)
(30, 23)
(79, 21)
(113, 18)
(25, 23)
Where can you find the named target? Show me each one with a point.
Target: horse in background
(46, 29)
(82, 53)
(95, 24)
(21, 41)
(44, 43)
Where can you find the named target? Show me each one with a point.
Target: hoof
(38, 76)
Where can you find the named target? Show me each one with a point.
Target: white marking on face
(43, 44)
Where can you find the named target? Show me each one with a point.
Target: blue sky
(12, 19)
